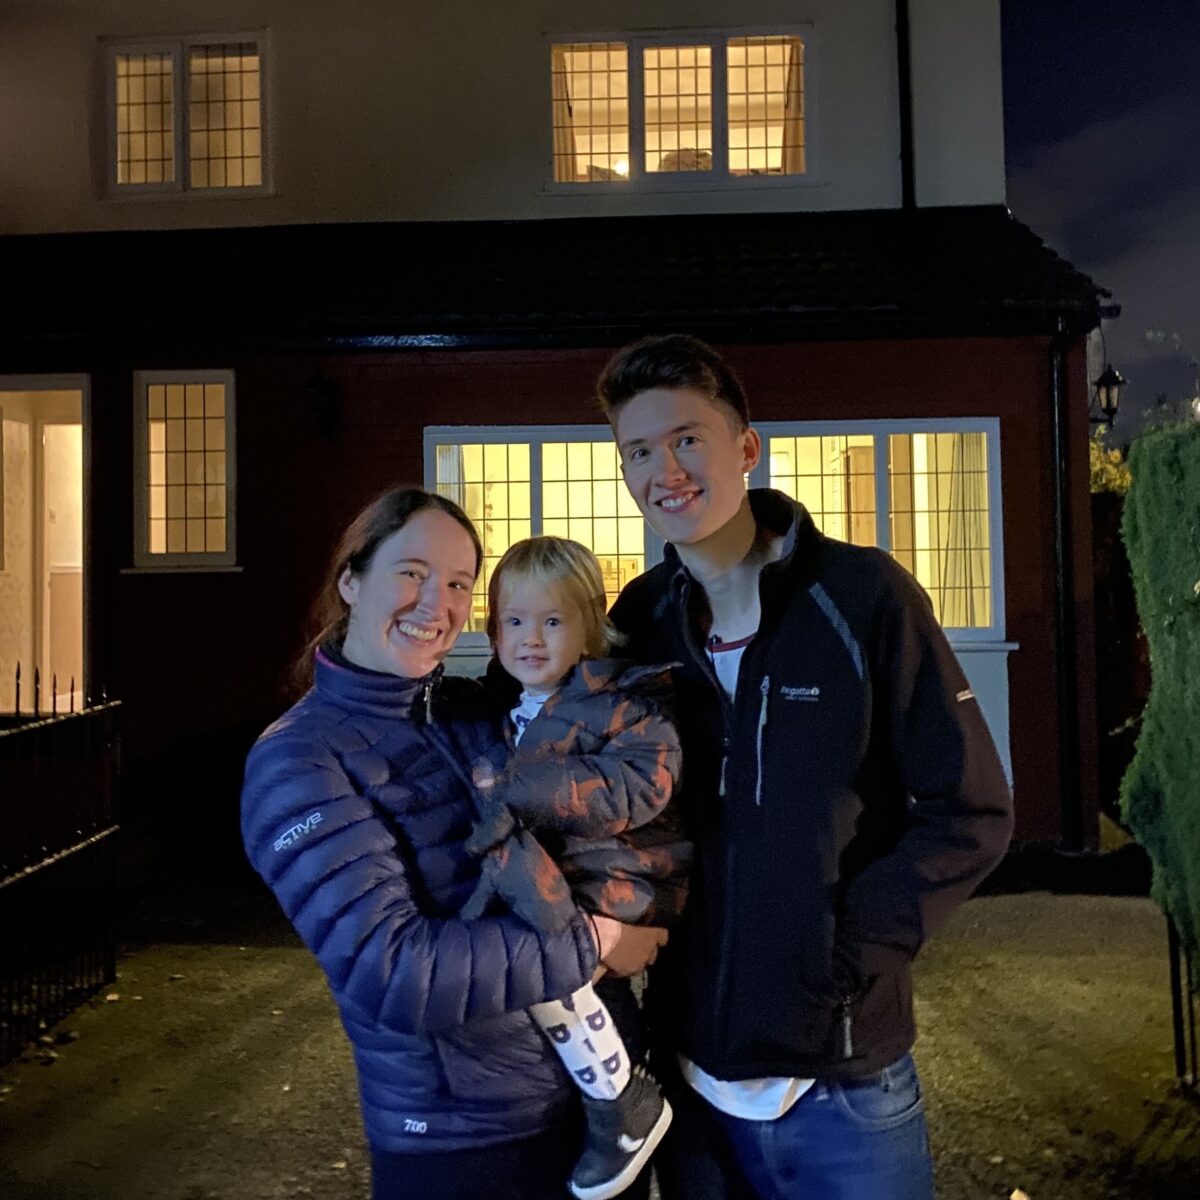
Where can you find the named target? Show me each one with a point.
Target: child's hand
(495, 823)
(637, 947)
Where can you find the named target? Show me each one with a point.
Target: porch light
(1106, 396)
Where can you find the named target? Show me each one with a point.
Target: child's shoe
(621, 1136)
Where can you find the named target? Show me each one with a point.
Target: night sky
(1102, 125)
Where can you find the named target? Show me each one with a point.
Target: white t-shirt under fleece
(750, 1099)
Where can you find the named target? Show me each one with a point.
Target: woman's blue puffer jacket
(355, 808)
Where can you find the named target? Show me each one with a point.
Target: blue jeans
(861, 1140)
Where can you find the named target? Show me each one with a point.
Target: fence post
(1183, 1008)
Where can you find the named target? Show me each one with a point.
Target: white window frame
(719, 178)
(195, 560)
(537, 435)
(178, 48)
(880, 430)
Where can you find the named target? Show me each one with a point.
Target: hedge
(1160, 794)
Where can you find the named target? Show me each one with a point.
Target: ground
(219, 1071)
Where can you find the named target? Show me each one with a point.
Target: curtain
(451, 475)
(793, 111)
(966, 591)
(565, 165)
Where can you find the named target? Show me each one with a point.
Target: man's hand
(628, 949)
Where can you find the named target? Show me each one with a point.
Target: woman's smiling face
(409, 605)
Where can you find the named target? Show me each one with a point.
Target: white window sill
(184, 569)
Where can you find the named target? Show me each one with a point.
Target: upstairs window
(590, 112)
(678, 110)
(187, 115)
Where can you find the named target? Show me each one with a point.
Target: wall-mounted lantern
(1106, 396)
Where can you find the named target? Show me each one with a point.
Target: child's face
(540, 635)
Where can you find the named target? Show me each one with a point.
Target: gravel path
(1045, 1051)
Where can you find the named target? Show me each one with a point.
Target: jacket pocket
(792, 1022)
(872, 1018)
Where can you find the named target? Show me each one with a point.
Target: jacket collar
(375, 693)
(779, 514)
(593, 675)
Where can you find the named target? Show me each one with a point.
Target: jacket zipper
(720, 983)
(847, 1029)
(702, 661)
(765, 689)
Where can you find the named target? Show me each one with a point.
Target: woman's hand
(627, 949)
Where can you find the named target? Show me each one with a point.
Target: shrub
(1160, 794)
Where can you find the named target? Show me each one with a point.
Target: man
(842, 790)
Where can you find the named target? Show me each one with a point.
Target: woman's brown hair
(378, 521)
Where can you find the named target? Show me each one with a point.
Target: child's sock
(582, 1032)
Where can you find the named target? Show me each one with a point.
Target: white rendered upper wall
(385, 110)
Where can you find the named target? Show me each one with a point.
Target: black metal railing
(58, 796)
(1183, 1010)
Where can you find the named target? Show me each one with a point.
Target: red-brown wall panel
(199, 658)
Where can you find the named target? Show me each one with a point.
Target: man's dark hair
(674, 360)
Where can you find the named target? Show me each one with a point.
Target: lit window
(766, 106)
(490, 483)
(677, 83)
(225, 114)
(927, 496)
(188, 115)
(584, 498)
(590, 85)
(184, 501)
(939, 520)
(834, 478)
(145, 118)
(931, 509)
(532, 481)
(652, 108)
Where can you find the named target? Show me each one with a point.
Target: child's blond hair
(568, 564)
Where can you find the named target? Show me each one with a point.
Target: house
(279, 256)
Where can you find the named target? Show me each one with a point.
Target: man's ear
(751, 450)
(348, 586)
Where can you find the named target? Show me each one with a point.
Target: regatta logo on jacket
(293, 835)
(811, 694)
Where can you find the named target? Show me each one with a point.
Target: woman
(356, 805)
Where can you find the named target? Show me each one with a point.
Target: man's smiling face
(684, 461)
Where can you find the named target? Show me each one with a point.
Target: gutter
(1073, 840)
(908, 190)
